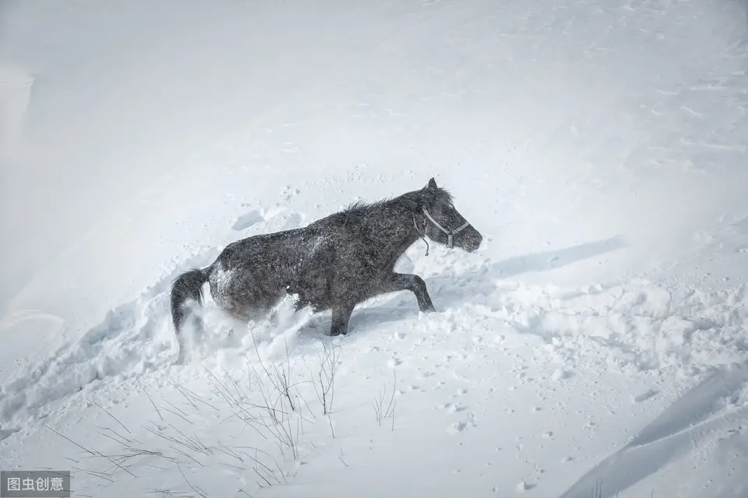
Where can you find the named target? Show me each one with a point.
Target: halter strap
(449, 232)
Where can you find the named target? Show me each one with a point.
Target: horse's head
(442, 223)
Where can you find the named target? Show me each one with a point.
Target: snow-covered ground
(597, 341)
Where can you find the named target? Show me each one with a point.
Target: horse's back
(258, 271)
(261, 248)
(323, 263)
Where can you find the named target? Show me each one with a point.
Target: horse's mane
(429, 197)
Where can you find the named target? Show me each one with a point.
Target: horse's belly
(312, 287)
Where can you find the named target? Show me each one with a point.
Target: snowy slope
(598, 338)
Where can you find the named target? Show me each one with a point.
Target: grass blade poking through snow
(379, 411)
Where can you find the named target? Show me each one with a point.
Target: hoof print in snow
(456, 408)
(463, 425)
(560, 375)
(524, 486)
(457, 427)
(247, 220)
(645, 396)
(288, 193)
(394, 362)
(293, 220)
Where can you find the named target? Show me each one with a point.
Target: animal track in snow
(524, 486)
(292, 220)
(273, 219)
(247, 220)
(463, 425)
(288, 193)
(456, 408)
(451, 407)
(645, 396)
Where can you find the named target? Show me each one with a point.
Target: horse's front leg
(414, 284)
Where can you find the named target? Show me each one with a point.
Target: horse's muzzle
(473, 241)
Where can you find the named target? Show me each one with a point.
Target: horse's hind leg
(341, 315)
(413, 283)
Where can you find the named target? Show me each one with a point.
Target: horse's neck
(396, 233)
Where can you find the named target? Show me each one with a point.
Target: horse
(334, 263)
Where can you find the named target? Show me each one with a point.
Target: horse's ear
(432, 183)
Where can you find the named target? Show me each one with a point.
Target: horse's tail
(187, 287)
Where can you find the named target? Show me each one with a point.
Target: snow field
(503, 375)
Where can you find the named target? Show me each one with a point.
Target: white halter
(449, 232)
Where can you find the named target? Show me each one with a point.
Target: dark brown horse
(332, 264)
